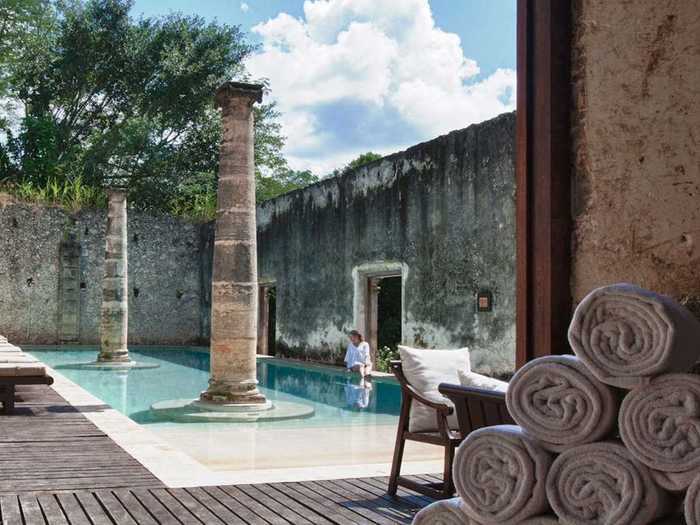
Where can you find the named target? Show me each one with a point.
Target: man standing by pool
(357, 356)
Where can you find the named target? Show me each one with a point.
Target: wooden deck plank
(180, 511)
(72, 509)
(140, 514)
(326, 507)
(49, 446)
(163, 515)
(224, 513)
(418, 500)
(350, 499)
(195, 507)
(279, 503)
(31, 511)
(51, 509)
(233, 496)
(114, 508)
(9, 509)
(93, 509)
(381, 502)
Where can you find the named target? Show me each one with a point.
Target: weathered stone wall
(637, 146)
(443, 211)
(165, 289)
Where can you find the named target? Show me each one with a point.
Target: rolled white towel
(691, 503)
(445, 512)
(499, 472)
(556, 400)
(602, 483)
(660, 425)
(626, 335)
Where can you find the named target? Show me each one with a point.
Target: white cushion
(474, 380)
(21, 369)
(425, 369)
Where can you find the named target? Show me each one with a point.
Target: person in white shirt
(357, 356)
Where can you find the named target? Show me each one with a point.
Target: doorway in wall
(384, 308)
(267, 319)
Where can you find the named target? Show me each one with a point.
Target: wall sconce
(484, 301)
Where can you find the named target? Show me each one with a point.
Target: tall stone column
(115, 307)
(235, 274)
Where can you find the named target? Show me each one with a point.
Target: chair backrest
(476, 407)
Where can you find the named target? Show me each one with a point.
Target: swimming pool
(337, 397)
(351, 433)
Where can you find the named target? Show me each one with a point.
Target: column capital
(233, 90)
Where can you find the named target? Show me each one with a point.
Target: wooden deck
(48, 445)
(56, 467)
(342, 502)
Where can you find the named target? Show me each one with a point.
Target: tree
(283, 182)
(363, 159)
(357, 162)
(113, 100)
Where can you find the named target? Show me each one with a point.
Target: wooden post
(543, 174)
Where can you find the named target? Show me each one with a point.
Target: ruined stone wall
(165, 289)
(637, 146)
(443, 211)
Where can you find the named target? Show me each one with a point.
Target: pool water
(337, 397)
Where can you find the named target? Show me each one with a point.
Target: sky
(351, 76)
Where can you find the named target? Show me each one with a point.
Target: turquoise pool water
(337, 397)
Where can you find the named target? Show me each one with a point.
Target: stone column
(115, 308)
(235, 273)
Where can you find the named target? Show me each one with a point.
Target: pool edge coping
(175, 469)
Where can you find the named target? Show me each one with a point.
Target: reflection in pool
(338, 398)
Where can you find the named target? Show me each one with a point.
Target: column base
(228, 393)
(119, 356)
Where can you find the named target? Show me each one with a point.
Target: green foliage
(282, 182)
(363, 159)
(72, 194)
(385, 355)
(21, 22)
(113, 100)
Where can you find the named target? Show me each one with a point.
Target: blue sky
(358, 75)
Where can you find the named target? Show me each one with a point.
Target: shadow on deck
(56, 467)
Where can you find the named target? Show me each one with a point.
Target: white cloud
(245, 7)
(376, 56)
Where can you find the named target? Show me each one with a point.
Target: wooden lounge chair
(475, 408)
(20, 373)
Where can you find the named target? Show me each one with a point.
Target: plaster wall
(165, 290)
(442, 212)
(637, 146)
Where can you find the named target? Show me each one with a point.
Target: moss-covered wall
(442, 210)
(166, 295)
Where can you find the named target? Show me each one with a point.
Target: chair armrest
(457, 393)
(476, 407)
(440, 407)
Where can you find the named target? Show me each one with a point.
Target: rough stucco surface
(164, 265)
(637, 146)
(443, 209)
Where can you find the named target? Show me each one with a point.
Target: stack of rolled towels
(609, 435)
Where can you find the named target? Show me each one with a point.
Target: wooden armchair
(444, 437)
(475, 408)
